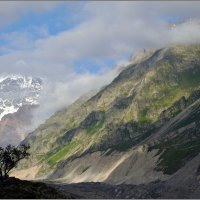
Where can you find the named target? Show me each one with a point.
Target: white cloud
(109, 30)
(11, 11)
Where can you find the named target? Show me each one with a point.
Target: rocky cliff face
(141, 127)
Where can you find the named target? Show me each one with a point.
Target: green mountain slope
(133, 111)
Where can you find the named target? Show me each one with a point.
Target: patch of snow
(8, 110)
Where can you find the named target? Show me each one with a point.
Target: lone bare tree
(10, 156)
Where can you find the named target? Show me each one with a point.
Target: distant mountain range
(18, 96)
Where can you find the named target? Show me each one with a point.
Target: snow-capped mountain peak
(18, 90)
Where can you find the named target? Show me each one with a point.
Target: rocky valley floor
(18, 189)
(184, 184)
(154, 190)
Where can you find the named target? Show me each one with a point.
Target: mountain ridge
(111, 136)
